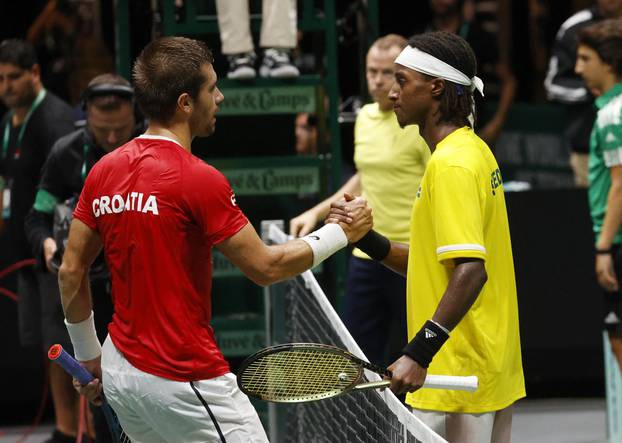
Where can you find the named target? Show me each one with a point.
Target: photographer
(108, 102)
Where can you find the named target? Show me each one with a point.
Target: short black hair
(457, 100)
(165, 69)
(18, 52)
(605, 38)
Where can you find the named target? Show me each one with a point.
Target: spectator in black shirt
(35, 120)
(564, 85)
(448, 15)
(108, 102)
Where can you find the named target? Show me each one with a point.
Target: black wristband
(426, 343)
(598, 251)
(375, 245)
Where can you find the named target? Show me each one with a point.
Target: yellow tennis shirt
(459, 211)
(391, 162)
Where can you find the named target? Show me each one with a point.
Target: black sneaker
(241, 66)
(277, 64)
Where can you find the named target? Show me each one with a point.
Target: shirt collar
(447, 140)
(159, 137)
(604, 99)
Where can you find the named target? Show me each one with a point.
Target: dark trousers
(375, 310)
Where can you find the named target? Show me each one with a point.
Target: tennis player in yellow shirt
(461, 293)
(390, 162)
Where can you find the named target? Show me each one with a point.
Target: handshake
(351, 213)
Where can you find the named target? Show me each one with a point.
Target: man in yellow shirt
(390, 162)
(462, 305)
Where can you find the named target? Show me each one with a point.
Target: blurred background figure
(565, 86)
(458, 17)
(35, 120)
(68, 34)
(306, 134)
(109, 104)
(278, 38)
(599, 63)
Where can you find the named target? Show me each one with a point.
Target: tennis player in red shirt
(158, 210)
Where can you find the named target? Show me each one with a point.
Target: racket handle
(373, 385)
(451, 382)
(431, 382)
(59, 356)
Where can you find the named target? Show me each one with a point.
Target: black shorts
(612, 303)
(40, 312)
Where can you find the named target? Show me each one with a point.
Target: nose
(219, 96)
(393, 93)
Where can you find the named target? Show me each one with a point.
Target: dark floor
(535, 421)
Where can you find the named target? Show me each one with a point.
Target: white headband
(425, 63)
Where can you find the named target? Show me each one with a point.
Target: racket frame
(317, 347)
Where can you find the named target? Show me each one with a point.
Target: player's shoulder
(114, 159)
(54, 103)
(368, 111)
(462, 148)
(611, 113)
(197, 170)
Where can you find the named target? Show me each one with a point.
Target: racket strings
(298, 375)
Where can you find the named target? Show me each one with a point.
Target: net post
(272, 412)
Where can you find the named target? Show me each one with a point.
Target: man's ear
(437, 87)
(35, 71)
(184, 102)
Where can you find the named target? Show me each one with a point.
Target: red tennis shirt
(159, 210)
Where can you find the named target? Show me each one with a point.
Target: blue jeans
(374, 310)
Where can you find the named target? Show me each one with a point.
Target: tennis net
(298, 311)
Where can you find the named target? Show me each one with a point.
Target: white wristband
(325, 242)
(84, 339)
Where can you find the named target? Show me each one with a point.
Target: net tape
(367, 416)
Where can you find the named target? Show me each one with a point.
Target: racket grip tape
(468, 384)
(59, 356)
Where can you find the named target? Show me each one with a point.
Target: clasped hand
(353, 215)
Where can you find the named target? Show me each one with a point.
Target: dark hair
(18, 52)
(457, 100)
(102, 94)
(166, 68)
(605, 38)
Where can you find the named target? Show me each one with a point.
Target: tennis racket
(302, 372)
(59, 356)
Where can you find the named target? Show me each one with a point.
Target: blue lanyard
(20, 136)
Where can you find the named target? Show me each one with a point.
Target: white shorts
(153, 409)
(488, 427)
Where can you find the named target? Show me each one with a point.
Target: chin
(400, 120)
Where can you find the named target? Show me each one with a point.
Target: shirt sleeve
(84, 208)
(457, 214)
(610, 138)
(50, 189)
(212, 204)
